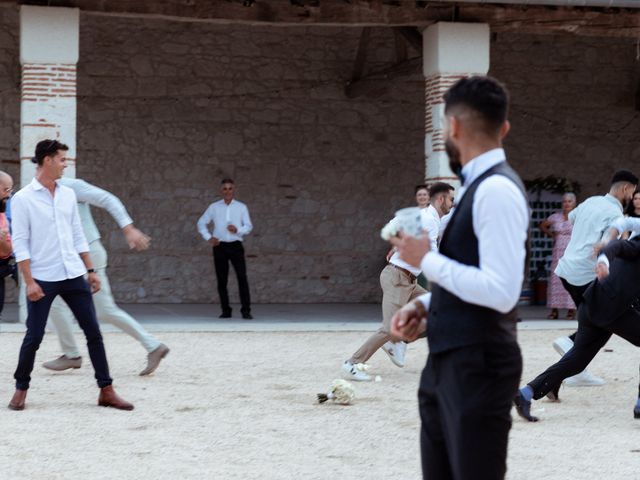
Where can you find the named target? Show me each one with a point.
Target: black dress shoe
(553, 395)
(523, 407)
(247, 316)
(225, 315)
(636, 412)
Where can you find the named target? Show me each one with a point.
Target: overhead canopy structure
(619, 18)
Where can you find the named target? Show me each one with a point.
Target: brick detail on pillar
(435, 87)
(43, 82)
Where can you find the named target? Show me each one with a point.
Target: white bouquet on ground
(342, 392)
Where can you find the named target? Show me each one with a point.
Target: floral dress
(557, 296)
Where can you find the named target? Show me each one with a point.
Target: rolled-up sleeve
(21, 231)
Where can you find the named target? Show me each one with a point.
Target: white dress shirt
(591, 220)
(500, 222)
(48, 232)
(88, 195)
(431, 221)
(223, 215)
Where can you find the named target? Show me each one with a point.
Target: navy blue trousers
(77, 295)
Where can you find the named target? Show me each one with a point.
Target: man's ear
(453, 125)
(504, 130)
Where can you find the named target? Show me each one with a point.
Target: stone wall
(166, 109)
(574, 110)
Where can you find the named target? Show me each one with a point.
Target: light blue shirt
(591, 220)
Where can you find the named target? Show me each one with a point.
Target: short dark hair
(421, 187)
(227, 180)
(439, 187)
(485, 96)
(624, 176)
(46, 148)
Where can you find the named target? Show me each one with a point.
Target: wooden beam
(412, 36)
(535, 19)
(377, 83)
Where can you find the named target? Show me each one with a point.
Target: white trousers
(106, 311)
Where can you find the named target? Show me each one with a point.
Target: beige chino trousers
(397, 291)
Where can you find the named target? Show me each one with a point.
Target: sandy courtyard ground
(242, 406)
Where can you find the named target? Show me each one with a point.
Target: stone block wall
(166, 109)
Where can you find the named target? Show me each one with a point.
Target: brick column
(451, 51)
(49, 41)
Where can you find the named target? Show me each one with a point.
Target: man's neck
(475, 150)
(228, 202)
(47, 182)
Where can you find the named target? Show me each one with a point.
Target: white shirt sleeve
(432, 226)
(203, 223)
(20, 231)
(87, 193)
(500, 222)
(624, 224)
(425, 298)
(573, 213)
(79, 240)
(246, 226)
(602, 258)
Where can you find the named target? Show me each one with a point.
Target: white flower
(389, 230)
(342, 392)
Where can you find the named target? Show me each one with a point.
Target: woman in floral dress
(559, 228)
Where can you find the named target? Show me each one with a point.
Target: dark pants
(589, 340)
(232, 252)
(77, 295)
(575, 292)
(465, 400)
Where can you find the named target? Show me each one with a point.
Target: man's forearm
(25, 270)
(86, 258)
(5, 248)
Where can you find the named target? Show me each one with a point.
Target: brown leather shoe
(109, 398)
(18, 399)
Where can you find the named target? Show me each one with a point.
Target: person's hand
(34, 292)
(136, 239)
(214, 241)
(597, 248)
(94, 282)
(409, 322)
(232, 228)
(390, 254)
(412, 249)
(602, 271)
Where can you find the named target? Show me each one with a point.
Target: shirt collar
(614, 200)
(36, 185)
(481, 164)
(432, 210)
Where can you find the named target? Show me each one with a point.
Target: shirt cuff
(425, 300)
(603, 259)
(432, 265)
(21, 256)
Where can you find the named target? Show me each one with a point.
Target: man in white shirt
(53, 257)
(474, 362)
(398, 281)
(440, 205)
(576, 269)
(106, 308)
(231, 223)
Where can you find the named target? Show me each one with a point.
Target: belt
(411, 276)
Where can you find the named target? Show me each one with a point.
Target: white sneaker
(355, 372)
(396, 352)
(584, 379)
(562, 345)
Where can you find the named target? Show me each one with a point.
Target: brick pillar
(451, 51)
(49, 41)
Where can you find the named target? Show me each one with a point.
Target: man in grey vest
(474, 363)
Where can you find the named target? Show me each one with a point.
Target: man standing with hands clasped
(231, 222)
(53, 257)
(474, 362)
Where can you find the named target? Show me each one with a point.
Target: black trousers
(589, 340)
(465, 400)
(575, 292)
(232, 252)
(77, 295)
